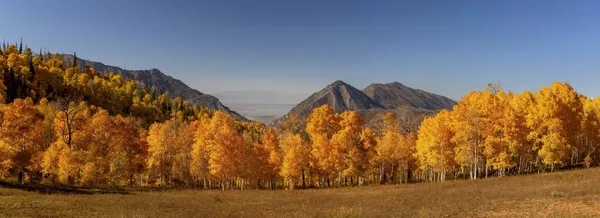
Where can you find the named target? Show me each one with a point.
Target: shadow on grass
(47, 189)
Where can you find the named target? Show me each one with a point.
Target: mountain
(340, 96)
(410, 105)
(393, 95)
(155, 78)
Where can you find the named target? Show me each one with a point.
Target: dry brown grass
(563, 194)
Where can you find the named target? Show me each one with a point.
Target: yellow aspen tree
(348, 140)
(559, 109)
(469, 126)
(323, 121)
(204, 135)
(369, 144)
(516, 131)
(95, 153)
(295, 158)
(497, 148)
(270, 144)
(321, 125)
(435, 148)
(158, 153)
(412, 163)
(391, 147)
(170, 144)
(225, 150)
(590, 129)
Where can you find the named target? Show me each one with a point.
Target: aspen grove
(67, 126)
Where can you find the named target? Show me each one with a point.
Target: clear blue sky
(447, 47)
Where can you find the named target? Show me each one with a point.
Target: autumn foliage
(66, 124)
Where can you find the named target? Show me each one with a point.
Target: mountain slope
(340, 96)
(155, 78)
(395, 94)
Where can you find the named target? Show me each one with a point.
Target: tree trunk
(382, 174)
(393, 174)
(21, 176)
(303, 181)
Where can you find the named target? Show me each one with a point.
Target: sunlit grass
(562, 194)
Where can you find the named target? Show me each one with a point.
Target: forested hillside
(156, 81)
(64, 126)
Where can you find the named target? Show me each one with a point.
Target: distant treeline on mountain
(155, 79)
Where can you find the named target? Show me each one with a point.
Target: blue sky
(446, 47)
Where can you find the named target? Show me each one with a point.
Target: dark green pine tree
(74, 59)
(21, 46)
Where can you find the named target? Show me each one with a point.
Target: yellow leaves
(295, 158)
(323, 121)
(559, 114)
(271, 145)
(13, 61)
(435, 148)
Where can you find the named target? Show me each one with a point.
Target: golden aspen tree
(590, 129)
(559, 109)
(20, 135)
(435, 148)
(225, 150)
(128, 150)
(348, 139)
(170, 144)
(391, 147)
(469, 127)
(496, 146)
(270, 144)
(412, 162)
(204, 137)
(95, 152)
(322, 121)
(159, 158)
(343, 155)
(295, 158)
(516, 131)
(321, 125)
(369, 144)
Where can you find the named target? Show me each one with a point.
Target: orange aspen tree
(321, 125)
(20, 136)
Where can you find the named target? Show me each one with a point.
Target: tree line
(61, 125)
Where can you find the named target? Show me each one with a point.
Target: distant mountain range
(395, 94)
(410, 105)
(155, 78)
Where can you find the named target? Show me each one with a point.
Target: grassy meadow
(561, 194)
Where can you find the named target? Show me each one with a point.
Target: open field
(562, 194)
